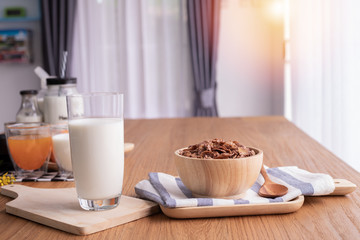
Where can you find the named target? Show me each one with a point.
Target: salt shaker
(29, 109)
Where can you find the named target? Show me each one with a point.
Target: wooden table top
(335, 217)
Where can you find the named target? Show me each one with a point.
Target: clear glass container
(29, 110)
(40, 99)
(68, 89)
(29, 146)
(55, 110)
(61, 149)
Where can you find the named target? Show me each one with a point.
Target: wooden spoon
(269, 188)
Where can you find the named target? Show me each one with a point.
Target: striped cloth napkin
(170, 192)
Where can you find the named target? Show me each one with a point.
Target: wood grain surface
(331, 217)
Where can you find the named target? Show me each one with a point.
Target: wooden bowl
(219, 178)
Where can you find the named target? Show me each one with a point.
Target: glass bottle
(55, 109)
(29, 110)
(68, 89)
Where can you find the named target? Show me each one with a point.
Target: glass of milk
(61, 149)
(97, 148)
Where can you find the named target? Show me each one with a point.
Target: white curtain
(325, 73)
(138, 47)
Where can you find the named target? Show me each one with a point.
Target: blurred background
(296, 58)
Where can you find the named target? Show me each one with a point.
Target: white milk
(97, 153)
(40, 102)
(55, 109)
(23, 118)
(61, 147)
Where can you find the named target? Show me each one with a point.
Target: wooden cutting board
(59, 208)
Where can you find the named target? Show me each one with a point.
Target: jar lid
(60, 81)
(25, 92)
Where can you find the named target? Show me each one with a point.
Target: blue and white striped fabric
(169, 191)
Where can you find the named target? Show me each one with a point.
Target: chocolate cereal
(217, 149)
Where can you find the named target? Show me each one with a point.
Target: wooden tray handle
(343, 187)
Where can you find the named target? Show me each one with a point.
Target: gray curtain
(57, 32)
(203, 18)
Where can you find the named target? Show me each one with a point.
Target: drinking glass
(29, 146)
(61, 149)
(97, 148)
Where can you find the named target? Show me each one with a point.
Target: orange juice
(30, 152)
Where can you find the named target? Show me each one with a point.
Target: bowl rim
(257, 151)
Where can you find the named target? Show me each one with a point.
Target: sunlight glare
(276, 8)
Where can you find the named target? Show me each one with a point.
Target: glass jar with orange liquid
(29, 146)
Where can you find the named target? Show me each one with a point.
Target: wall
(16, 77)
(250, 64)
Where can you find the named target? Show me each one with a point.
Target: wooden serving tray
(59, 208)
(342, 187)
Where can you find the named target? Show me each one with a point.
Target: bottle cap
(25, 92)
(60, 81)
